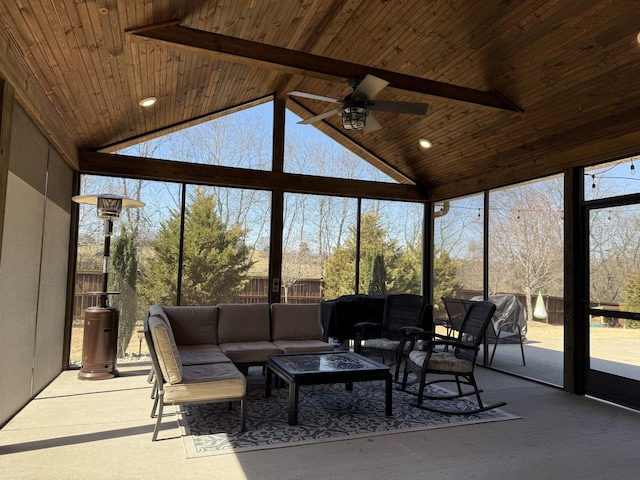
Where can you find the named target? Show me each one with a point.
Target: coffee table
(325, 368)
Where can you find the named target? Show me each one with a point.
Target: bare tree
(614, 252)
(459, 232)
(314, 225)
(526, 240)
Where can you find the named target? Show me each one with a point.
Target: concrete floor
(101, 430)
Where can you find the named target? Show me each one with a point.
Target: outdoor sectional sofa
(202, 354)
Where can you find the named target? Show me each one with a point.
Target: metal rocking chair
(455, 358)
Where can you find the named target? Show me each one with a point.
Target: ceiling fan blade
(412, 108)
(322, 116)
(368, 88)
(313, 96)
(371, 124)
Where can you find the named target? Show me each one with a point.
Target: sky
(243, 139)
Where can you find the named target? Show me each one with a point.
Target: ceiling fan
(356, 106)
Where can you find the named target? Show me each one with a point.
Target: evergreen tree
(378, 284)
(632, 299)
(124, 261)
(339, 273)
(407, 275)
(402, 267)
(445, 274)
(215, 259)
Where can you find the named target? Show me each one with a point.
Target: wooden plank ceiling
(571, 67)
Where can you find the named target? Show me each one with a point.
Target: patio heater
(100, 339)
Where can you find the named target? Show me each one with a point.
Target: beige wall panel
(21, 267)
(29, 150)
(19, 274)
(53, 275)
(60, 183)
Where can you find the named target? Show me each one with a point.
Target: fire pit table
(325, 368)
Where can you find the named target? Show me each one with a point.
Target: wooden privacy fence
(86, 281)
(305, 290)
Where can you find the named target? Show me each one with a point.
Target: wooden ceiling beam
(173, 36)
(172, 171)
(326, 30)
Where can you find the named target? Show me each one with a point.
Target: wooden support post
(277, 204)
(6, 112)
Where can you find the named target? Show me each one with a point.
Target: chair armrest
(502, 334)
(447, 342)
(430, 336)
(413, 334)
(407, 332)
(508, 324)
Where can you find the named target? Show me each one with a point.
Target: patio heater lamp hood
(108, 205)
(100, 340)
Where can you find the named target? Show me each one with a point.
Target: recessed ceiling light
(638, 38)
(425, 143)
(147, 102)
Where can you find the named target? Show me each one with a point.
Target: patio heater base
(100, 343)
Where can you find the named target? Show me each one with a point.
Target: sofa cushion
(194, 325)
(249, 352)
(165, 347)
(303, 346)
(243, 323)
(158, 312)
(201, 354)
(201, 383)
(295, 321)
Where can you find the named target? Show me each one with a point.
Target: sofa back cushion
(194, 325)
(165, 347)
(295, 321)
(243, 322)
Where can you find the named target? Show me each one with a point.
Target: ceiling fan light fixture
(425, 143)
(354, 117)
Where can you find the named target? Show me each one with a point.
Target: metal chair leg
(495, 345)
(524, 364)
(155, 403)
(243, 417)
(157, 427)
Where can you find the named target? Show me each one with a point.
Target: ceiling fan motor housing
(353, 83)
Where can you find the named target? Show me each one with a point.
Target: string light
(593, 184)
(633, 168)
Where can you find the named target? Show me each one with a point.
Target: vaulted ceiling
(516, 89)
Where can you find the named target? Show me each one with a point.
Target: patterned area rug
(326, 413)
